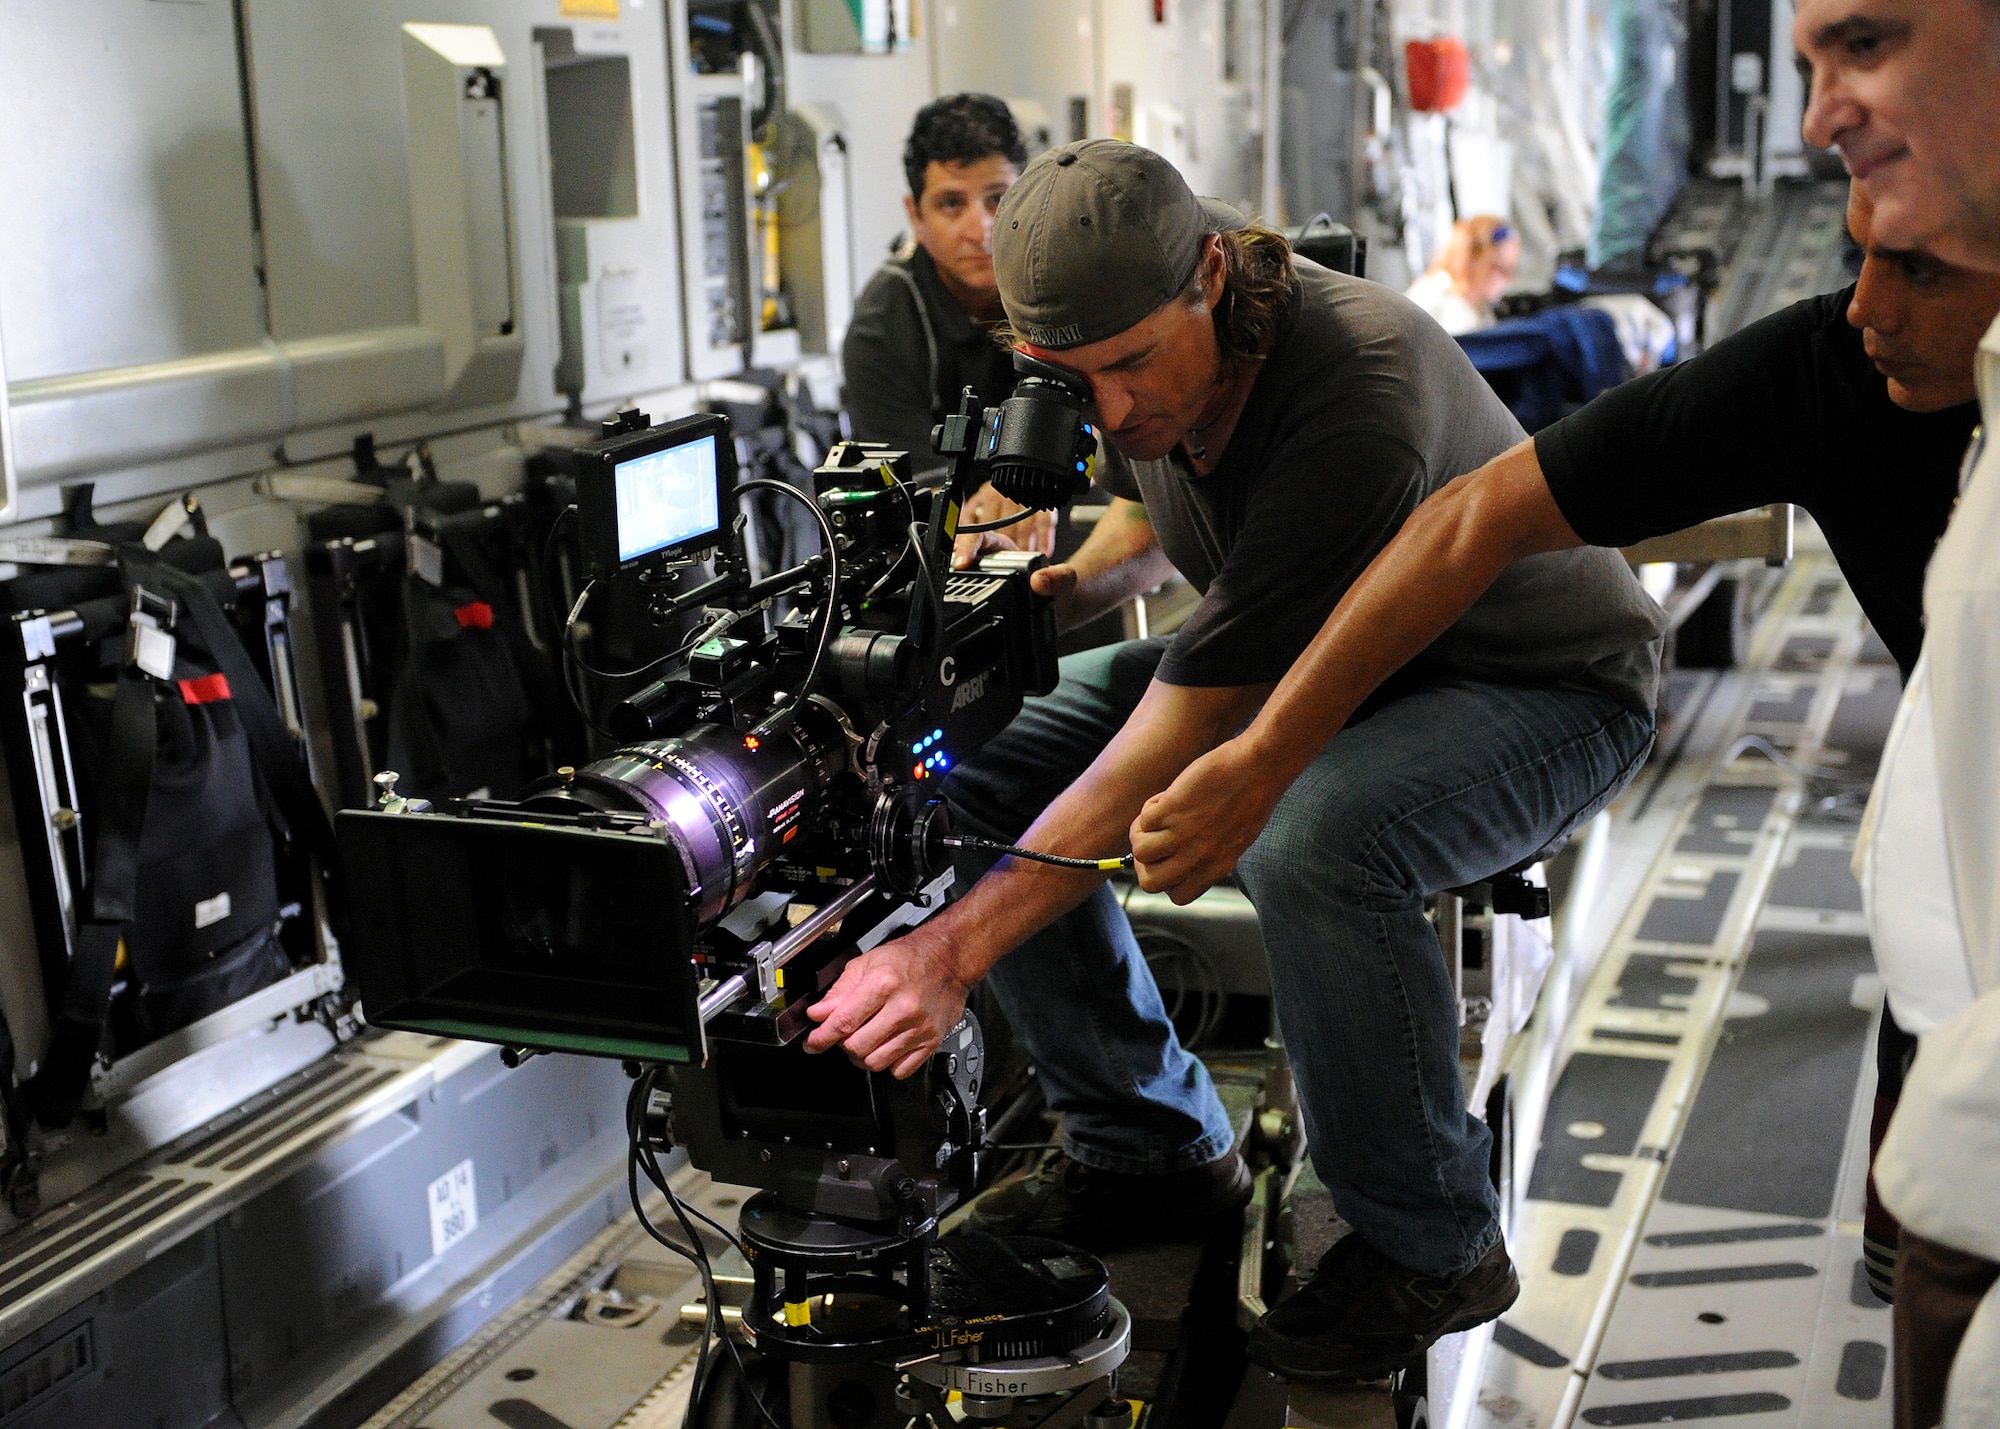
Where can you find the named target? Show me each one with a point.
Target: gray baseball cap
(1094, 237)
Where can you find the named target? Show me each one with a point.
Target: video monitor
(667, 499)
(655, 495)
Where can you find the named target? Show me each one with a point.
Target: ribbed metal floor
(1690, 1249)
(545, 1361)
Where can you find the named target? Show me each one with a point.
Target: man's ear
(1213, 268)
(910, 212)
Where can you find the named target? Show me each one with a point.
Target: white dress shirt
(1939, 1167)
(1962, 636)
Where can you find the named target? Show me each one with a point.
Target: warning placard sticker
(454, 1203)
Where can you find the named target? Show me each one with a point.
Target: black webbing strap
(490, 586)
(532, 666)
(463, 548)
(271, 746)
(409, 710)
(135, 732)
(127, 781)
(56, 1089)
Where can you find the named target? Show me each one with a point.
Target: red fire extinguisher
(1440, 71)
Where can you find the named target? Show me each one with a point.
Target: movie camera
(771, 812)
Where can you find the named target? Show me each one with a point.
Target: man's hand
(1191, 835)
(892, 1006)
(1059, 584)
(1037, 533)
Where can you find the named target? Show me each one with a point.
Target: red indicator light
(918, 772)
(752, 743)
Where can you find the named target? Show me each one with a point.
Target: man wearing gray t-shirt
(1271, 427)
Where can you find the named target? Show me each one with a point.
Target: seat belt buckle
(151, 624)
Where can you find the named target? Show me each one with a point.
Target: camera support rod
(735, 582)
(954, 438)
(769, 957)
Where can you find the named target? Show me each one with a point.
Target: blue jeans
(1440, 788)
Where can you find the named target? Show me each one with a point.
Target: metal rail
(725, 993)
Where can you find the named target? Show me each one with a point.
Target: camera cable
(635, 1158)
(831, 616)
(911, 547)
(1005, 521)
(573, 661)
(641, 1156)
(915, 547)
(930, 577)
(1054, 860)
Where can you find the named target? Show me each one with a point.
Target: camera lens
(727, 807)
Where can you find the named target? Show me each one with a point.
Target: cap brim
(1221, 217)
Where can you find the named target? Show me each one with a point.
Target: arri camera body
(771, 813)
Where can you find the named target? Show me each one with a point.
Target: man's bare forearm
(1120, 558)
(1172, 727)
(1452, 548)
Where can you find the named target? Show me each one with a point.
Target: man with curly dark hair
(1270, 426)
(922, 329)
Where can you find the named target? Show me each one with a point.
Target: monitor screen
(667, 498)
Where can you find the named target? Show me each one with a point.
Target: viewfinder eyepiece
(1038, 443)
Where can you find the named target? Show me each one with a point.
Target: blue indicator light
(1080, 466)
(936, 735)
(943, 763)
